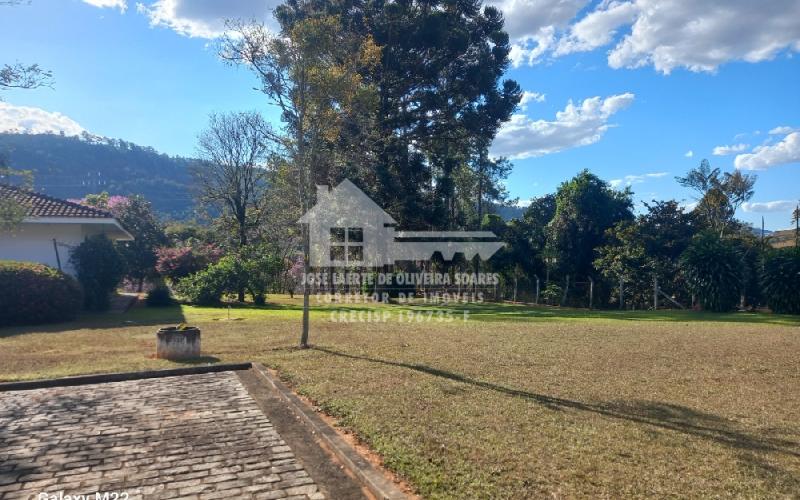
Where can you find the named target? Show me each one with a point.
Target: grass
(515, 402)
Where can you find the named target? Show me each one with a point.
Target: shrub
(159, 297)
(34, 293)
(712, 267)
(136, 215)
(552, 293)
(260, 266)
(100, 268)
(177, 263)
(780, 280)
(208, 286)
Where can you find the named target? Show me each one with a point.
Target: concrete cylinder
(172, 343)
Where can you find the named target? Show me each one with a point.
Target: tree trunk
(304, 335)
(655, 292)
(242, 244)
(566, 291)
(515, 287)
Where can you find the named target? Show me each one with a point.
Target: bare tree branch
(20, 76)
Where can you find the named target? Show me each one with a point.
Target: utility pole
(796, 216)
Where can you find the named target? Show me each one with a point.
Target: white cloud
(530, 49)
(529, 97)
(576, 125)
(532, 25)
(782, 130)
(528, 18)
(629, 180)
(729, 150)
(702, 35)
(597, 28)
(763, 157)
(770, 206)
(122, 5)
(24, 119)
(205, 18)
(667, 34)
(689, 154)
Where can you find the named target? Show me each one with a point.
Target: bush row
(253, 271)
(715, 270)
(34, 293)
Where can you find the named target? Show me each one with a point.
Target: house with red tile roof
(52, 227)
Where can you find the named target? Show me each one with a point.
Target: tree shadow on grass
(652, 413)
(23, 421)
(160, 316)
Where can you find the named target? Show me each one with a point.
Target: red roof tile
(40, 205)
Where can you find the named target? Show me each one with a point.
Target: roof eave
(118, 232)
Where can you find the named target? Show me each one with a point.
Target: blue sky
(641, 99)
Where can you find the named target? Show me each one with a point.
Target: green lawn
(514, 402)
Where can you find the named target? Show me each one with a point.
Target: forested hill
(71, 167)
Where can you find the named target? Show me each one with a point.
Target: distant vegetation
(72, 167)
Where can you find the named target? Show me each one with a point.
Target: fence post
(621, 293)
(537, 291)
(591, 292)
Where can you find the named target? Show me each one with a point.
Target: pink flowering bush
(103, 201)
(294, 275)
(179, 262)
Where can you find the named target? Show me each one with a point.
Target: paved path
(194, 436)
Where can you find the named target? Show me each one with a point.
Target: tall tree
(440, 98)
(234, 153)
(718, 195)
(636, 251)
(231, 176)
(313, 73)
(586, 207)
(533, 226)
(136, 215)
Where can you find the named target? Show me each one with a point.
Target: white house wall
(34, 243)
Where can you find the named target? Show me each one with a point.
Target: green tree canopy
(719, 195)
(586, 207)
(440, 98)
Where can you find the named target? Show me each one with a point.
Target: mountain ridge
(73, 166)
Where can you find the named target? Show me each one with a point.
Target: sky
(637, 91)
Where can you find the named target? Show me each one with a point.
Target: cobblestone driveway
(194, 436)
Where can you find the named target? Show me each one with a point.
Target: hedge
(33, 293)
(713, 267)
(780, 280)
(100, 268)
